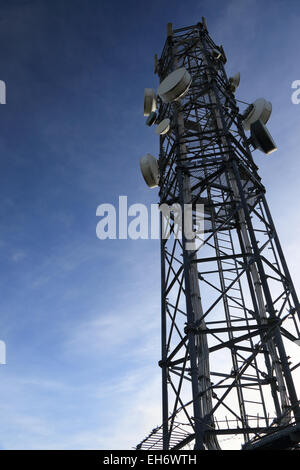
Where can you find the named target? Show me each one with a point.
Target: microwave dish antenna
(175, 85)
(261, 110)
(150, 170)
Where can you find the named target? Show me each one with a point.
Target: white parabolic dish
(163, 127)
(149, 101)
(235, 81)
(175, 85)
(150, 170)
(261, 110)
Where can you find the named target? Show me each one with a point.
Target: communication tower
(229, 310)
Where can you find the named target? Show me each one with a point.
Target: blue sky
(80, 316)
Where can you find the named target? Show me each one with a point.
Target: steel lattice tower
(230, 313)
